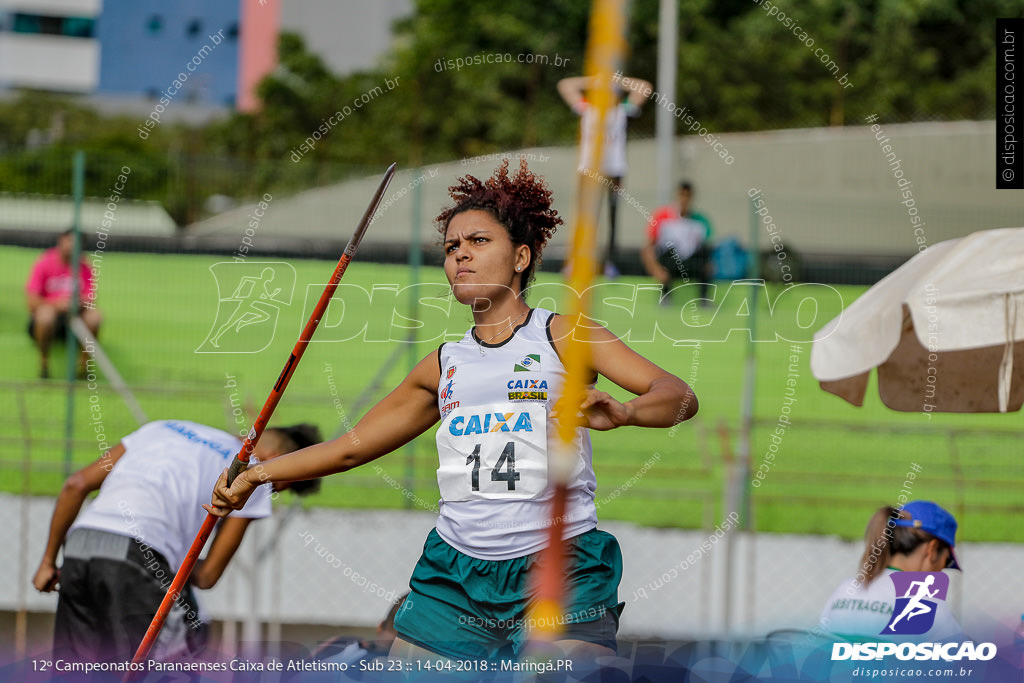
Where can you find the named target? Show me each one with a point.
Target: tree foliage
(741, 67)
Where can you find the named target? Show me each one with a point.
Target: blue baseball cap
(928, 516)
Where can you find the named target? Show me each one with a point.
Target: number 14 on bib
(497, 452)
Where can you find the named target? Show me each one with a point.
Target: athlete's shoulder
(562, 327)
(557, 325)
(562, 324)
(542, 315)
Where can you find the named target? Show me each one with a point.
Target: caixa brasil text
(948, 652)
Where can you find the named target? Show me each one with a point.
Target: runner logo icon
(916, 596)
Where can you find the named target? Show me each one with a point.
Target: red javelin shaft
(241, 461)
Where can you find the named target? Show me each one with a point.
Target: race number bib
(493, 452)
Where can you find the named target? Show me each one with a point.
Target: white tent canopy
(943, 330)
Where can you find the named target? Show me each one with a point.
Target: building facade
(147, 45)
(50, 45)
(133, 51)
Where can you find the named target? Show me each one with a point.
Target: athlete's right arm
(401, 416)
(69, 501)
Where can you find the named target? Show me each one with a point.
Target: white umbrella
(944, 330)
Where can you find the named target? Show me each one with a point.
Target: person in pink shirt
(48, 292)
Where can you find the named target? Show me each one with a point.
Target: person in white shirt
(122, 552)
(612, 168)
(679, 246)
(919, 537)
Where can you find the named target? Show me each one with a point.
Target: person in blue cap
(918, 537)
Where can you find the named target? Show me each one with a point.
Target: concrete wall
(312, 574)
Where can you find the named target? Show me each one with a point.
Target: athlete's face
(481, 261)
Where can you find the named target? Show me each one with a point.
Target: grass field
(834, 466)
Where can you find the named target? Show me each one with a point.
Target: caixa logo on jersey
(461, 425)
(918, 595)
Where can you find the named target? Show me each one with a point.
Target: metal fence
(830, 468)
(152, 301)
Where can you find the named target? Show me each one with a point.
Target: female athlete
(493, 392)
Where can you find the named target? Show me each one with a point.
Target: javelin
(241, 461)
(605, 50)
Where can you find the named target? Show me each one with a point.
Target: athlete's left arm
(662, 399)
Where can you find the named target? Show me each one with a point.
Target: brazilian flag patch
(530, 363)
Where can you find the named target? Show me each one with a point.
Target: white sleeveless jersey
(492, 445)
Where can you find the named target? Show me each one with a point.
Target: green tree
(740, 69)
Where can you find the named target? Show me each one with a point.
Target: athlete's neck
(498, 323)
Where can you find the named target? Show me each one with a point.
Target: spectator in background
(631, 95)
(48, 292)
(679, 245)
(122, 553)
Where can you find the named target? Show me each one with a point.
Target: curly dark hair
(522, 203)
(293, 438)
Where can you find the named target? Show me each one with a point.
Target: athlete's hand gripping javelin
(227, 498)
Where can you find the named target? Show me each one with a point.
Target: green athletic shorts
(463, 607)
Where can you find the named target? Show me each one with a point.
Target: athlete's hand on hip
(604, 412)
(47, 577)
(227, 498)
